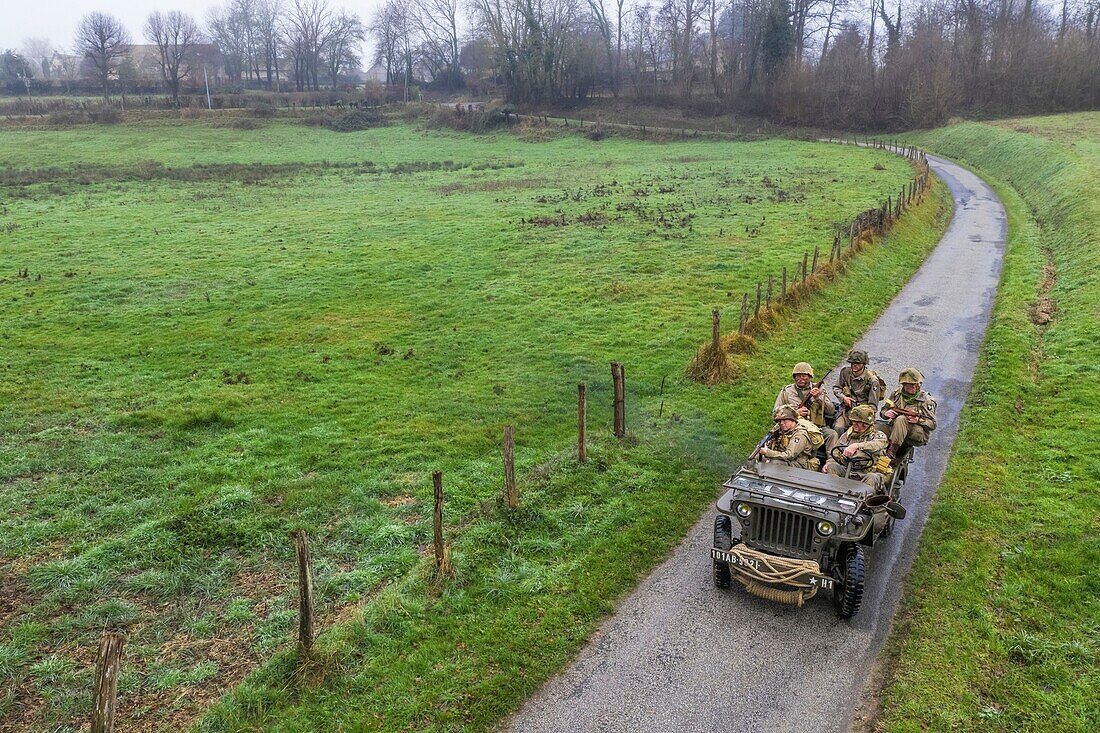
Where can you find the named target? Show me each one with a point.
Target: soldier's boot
(892, 452)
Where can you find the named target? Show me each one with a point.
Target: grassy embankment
(999, 628)
(275, 334)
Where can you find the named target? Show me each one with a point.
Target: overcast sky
(57, 19)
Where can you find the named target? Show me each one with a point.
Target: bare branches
(102, 40)
(175, 35)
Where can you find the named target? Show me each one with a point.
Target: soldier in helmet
(910, 411)
(819, 409)
(857, 385)
(794, 440)
(861, 442)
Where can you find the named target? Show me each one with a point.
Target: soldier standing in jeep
(911, 412)
(793, 441)
(857, 385)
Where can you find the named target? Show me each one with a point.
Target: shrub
(354, 121)
(265, 110)
(66, 118)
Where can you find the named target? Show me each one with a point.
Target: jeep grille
(783, 529)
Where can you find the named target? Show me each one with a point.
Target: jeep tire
(723, 540)
(848, 591)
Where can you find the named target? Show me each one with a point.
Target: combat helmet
(862, 413)
(784, 412)
(910, 376)
(802, 368)
(857, 356)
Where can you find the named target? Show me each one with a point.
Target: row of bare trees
(304, 43)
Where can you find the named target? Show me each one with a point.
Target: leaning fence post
(817, 253)
(305, 594)
(582, 424)
(107, 668)
(510, 467)
(756, 312)
(620, 399)
(805, 264)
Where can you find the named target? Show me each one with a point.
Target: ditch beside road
(682, 655)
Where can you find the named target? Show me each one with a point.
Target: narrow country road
(683, 656)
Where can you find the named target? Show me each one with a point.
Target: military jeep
(801, 531)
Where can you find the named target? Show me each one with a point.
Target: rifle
(806, 402)
(760, 445)
(889, 405)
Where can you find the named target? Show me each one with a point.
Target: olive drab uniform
(866, 389)
(821, 409)
(795, 448)
(902, 432)
(871, 444)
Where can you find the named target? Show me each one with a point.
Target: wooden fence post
(756, 312)
(305, 594)
(805, 264)
(582, 424)
(107, 668)
(437, 519)
(716, 329)
(744, 312)
(817, 253)
(769, 301)
(784, 291)
(510, 467)
(617, 378)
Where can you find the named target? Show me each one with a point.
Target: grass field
(999, 631)
(215, 336)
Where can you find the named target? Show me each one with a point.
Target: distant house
(64, 66)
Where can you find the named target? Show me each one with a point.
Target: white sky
(57, 19)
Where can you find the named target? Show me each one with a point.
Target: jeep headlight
(825, 528)
(743, 509)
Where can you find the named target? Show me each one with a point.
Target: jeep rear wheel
(848, 592)
(723, 540)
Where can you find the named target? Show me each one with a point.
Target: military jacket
(820, 407)
(793, 448)
(873, 442)
(922, 402)
(866, 389)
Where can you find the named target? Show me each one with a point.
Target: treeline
(835, 63)
(822, 62)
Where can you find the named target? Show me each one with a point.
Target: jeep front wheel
(723, 540)
(848, 591)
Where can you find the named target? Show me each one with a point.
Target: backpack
(817, 439)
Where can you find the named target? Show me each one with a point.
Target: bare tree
(340, 43)
(268, 14)
(304, 29)
(437, 26)
(175, 35)
(104, 42)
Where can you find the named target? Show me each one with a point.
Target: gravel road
(683, 656)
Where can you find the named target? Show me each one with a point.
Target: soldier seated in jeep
(855, 453)
(911, 413)
(793, 441)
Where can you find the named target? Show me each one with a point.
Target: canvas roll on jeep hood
(816, 491)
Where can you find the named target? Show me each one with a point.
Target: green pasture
(212, 337)
(999, 630)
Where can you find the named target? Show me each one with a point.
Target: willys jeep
(801, 531)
